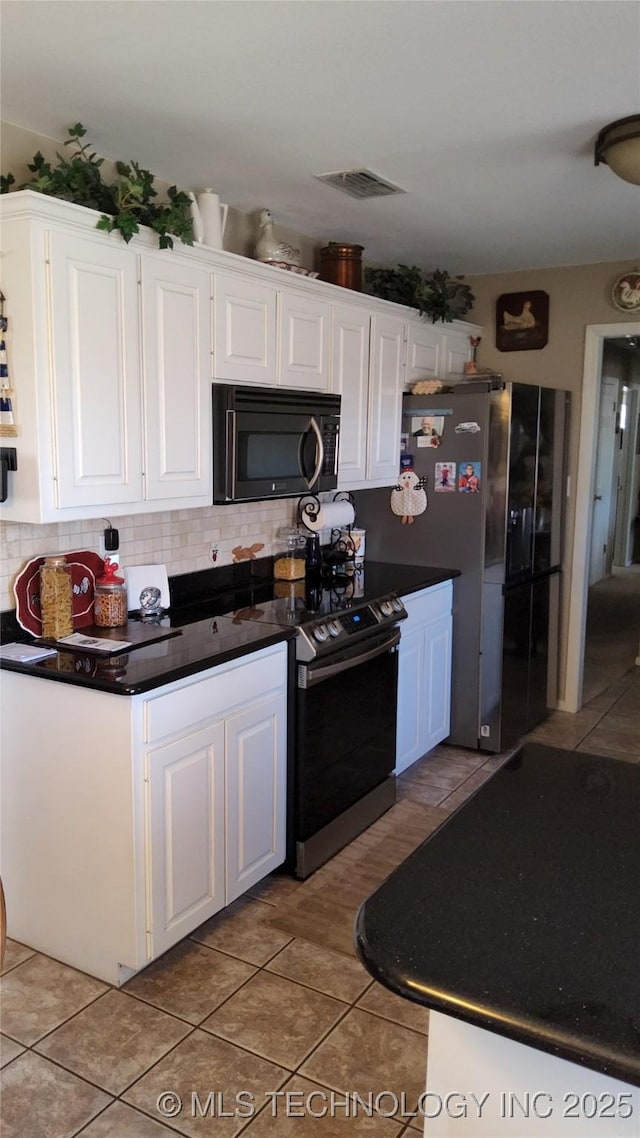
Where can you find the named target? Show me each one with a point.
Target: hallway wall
(578, 296)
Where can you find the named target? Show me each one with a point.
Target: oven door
(272, 454)
(345, 731)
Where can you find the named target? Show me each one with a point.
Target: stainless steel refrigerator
(490, 458)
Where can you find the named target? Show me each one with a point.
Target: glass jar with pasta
(289, 560)
(56, 597)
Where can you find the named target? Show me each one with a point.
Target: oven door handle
(315, 675)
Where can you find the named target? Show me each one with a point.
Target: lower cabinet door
(255, 794)
(185, 835)
(437, 676)
(410, 699)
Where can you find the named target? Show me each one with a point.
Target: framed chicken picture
(522, 321)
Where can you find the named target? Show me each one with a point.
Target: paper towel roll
(331, 515)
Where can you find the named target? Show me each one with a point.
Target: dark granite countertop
(201, 628)
(194, 648)
(521, 914)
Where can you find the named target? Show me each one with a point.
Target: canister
(353, 541)
(110, 598)
(289, 560)
(56, 597)
(342, 265)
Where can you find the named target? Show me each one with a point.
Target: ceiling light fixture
(618, 146)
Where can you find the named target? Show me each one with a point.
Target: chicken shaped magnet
(408, 498)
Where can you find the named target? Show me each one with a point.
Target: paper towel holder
(309, 507)
(308, 510)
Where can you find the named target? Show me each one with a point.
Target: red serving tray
(85, 567)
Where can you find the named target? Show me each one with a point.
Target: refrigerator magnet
(467, 428)
(469, 478)
(427, 430)
(445, 477)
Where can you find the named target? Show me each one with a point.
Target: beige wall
(18, 146)
(578, 296)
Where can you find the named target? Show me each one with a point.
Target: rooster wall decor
(625, 293)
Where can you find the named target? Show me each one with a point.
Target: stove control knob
(321, 633)
(335, 628)
(397, 604)
(386, 608)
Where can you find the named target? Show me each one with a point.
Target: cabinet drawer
(219, 692)
(429, 604)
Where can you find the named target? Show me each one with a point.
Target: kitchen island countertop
(211, 630)
(521, 914)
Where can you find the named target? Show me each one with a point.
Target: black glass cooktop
(285, 603)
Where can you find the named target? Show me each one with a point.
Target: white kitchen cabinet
(95, 371)
(424, 673)
(127, 821)
(457, 351)
(245, 343)
(255, 794)
(425, 354)
(186, 823)
(371, 384)
(177, 373)
(270, 337)
(350, 379)
(438, 350)
(305, 330)
(386, 381)
(110, 355)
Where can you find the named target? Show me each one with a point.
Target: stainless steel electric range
(346, 645)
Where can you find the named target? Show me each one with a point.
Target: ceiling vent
(360, 184)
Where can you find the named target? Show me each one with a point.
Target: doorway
(592, 643)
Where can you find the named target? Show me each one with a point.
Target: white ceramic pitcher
(209, 216)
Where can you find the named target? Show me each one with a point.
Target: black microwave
(272, 442)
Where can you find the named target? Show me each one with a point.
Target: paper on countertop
(94, 643)
(24, 653)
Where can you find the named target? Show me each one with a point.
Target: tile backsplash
(180, 539)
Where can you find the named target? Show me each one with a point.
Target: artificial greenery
(436, 295)
(125, 204)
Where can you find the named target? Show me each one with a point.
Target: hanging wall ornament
(409, 498)
(7, 422)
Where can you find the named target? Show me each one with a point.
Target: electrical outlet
(113, 554)
(214, 554)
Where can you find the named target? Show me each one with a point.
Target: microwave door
(313, 430)
(266, 455)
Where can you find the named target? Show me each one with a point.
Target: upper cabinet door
(95, 371)
(425, 351)
(176, 324)
(457, 351)
(245, 330)
(304, 342)
(385, 399)
(350, 379)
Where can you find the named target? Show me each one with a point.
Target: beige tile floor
(263, 1019)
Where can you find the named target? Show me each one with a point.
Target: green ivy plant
(125, 204)
(437, 295)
